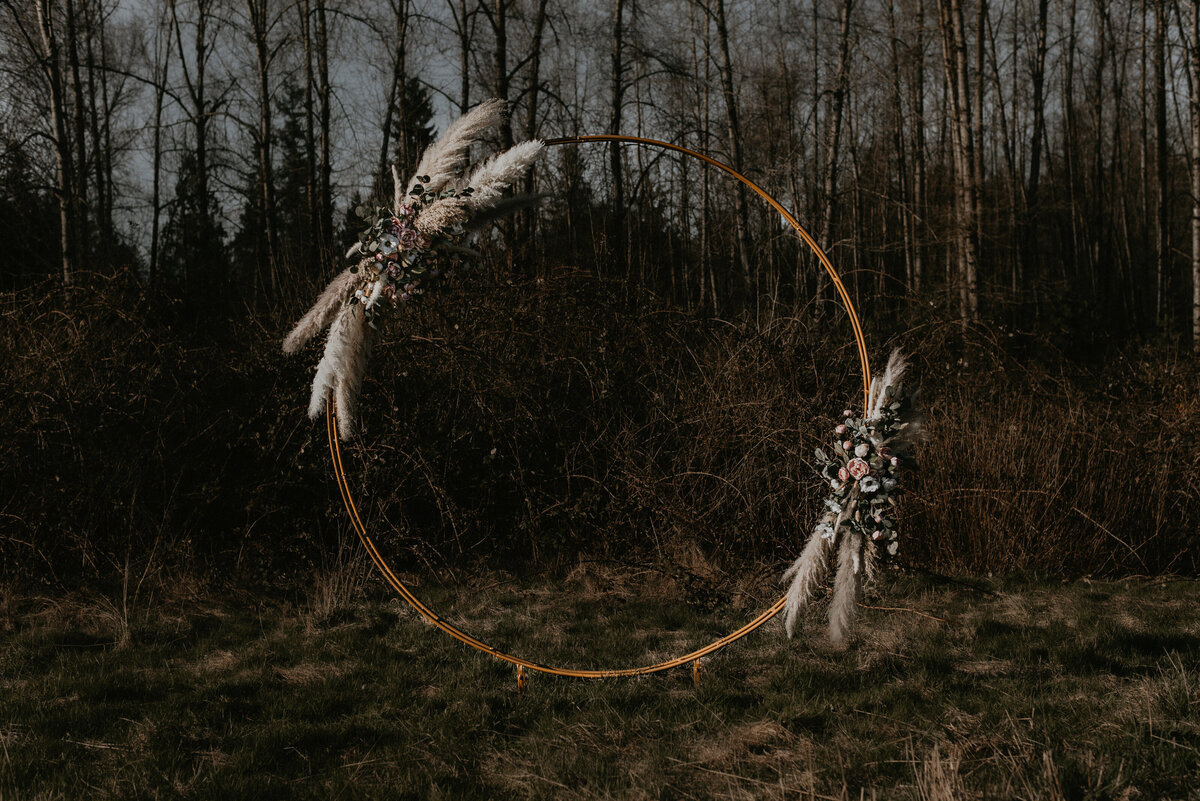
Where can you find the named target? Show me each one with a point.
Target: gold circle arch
(692, 657)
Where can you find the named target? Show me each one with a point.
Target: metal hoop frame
(692, 657)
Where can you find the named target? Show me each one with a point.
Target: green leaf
(820, 454)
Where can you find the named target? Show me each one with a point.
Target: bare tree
(395, 99)
(1194, 104)
(734, 132)
(261, 24)
(616, 109)
(954, 50)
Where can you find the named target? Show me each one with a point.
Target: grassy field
(1000, 689)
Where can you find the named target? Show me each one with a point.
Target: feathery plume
(319, 316)
(350, 375)
(892, 377)
(501, 171)
(805, 574)
(845, 589)
(445, 159)
(330, 364)
(439, 217)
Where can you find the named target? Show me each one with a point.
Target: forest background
(643, 366)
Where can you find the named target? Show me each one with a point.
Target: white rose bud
(862, 450)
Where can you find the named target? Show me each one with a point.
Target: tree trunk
(1029, 258)
(81, 233)
(1160, 163)
(324, 91)
(312, 254)
(62, 146)
(463, 18)
(162, 65)
(1194, 97)
(616, 228)
(97, 111)
(746, 289)
(954, 48)
(258, 12)
(905, 202)
(918, 148)
(395, 97)
(833, 132)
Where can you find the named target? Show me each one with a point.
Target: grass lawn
(1022, 690)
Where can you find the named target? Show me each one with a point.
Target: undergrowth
(530, 423)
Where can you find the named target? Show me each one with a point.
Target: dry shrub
(1091, 471)
(529, 423)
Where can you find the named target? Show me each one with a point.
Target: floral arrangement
(406, 250)
(869, 453)
(403, 262)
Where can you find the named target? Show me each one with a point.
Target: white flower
(875, 535)
(825, 530)
(889, 484)
(835, 483)
(895, 461)
(833, 505)
(868, 484)
(862, 450)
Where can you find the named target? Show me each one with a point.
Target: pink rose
(875, 535)
(858, 468)
(408, 238)
(847, 413)
(844, 474)
(847, 445)
(841, 429)
(423, 241)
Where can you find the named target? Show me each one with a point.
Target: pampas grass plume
(805, 574)
(445, 159)
(845, 590)
(319, 316)
(500, 172)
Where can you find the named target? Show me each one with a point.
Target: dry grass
(1030, 691)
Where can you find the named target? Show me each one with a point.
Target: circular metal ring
(691, 657)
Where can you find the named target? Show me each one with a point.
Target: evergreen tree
(193, 241)
(28, 222)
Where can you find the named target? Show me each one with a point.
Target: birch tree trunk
(50, 57)
(954, 48)
(833, 132)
